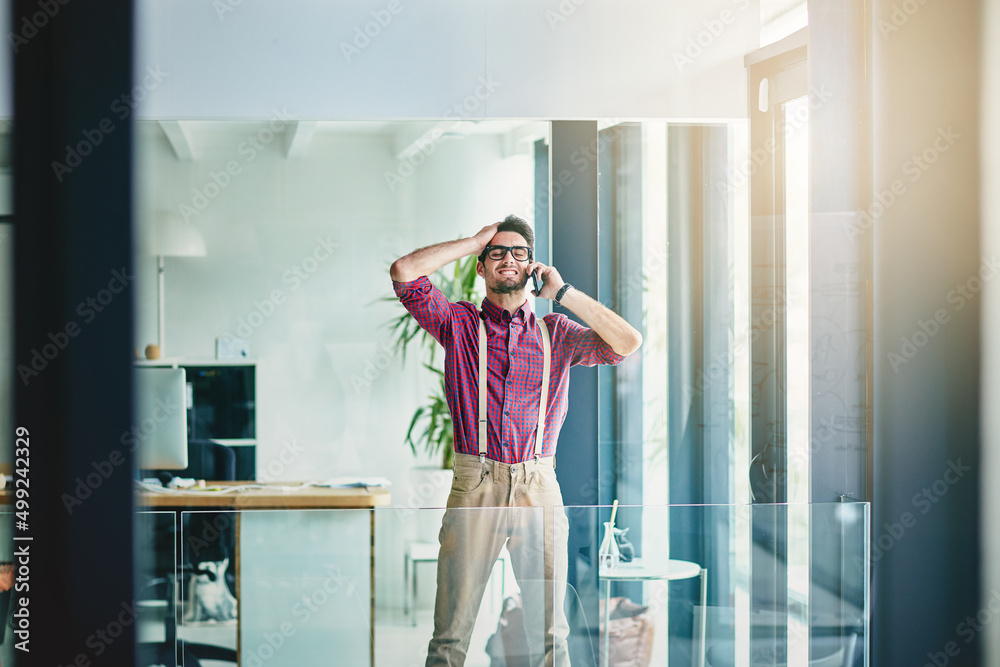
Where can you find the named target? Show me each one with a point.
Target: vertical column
(574, 253)
(573, 186)
(699, 227)
(543, 240)
(927, 349)
(73, 317)
(840, 445)
(768, 414)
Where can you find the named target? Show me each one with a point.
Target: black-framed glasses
(518, 252)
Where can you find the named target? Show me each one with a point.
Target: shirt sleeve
(585, 347)
(429, 307)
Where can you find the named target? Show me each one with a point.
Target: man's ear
(480, 270)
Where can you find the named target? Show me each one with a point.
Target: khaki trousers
(514, 504)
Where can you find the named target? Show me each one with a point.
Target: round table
(638, 570)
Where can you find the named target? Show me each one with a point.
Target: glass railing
(156, 589)
(683, 585)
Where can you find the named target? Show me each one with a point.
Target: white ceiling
(191, 139)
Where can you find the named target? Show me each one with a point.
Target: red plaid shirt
(514, 363)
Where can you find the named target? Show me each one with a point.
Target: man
(504, 461)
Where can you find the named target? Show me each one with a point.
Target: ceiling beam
(419, 137)
(297, 137)
(521, 139)
(180, 139)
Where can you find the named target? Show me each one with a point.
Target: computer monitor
(160, 425)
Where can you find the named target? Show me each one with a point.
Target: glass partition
(286, 586)
(281, 587)
(690, 606)
(157, 586)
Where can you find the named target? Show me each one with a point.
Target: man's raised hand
(549, 276)
(485, 235)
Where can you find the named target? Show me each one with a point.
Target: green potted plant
(431, 430)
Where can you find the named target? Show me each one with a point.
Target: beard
(506, 287)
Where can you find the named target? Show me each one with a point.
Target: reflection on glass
(471, 540)
(655, 358)
(157, 584)
(668, 607)
(740, 460)
(796, 188)
(306, 588)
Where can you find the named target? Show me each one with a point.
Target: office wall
(549, 58)
(927, 338)
(331, 400)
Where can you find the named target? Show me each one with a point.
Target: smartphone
(534, 279)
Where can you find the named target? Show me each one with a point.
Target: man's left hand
(551, 281)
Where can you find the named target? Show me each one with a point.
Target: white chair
(427, 552)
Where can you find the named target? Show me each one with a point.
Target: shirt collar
(501, 316)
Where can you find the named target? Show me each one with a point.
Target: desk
(637, 570)
(270, 497)
(275, 497)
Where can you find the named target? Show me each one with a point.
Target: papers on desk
(354, 482)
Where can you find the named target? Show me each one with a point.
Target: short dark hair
(513, 223)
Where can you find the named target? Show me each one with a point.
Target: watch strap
(562, 291)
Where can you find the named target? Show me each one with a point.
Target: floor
(397, 642)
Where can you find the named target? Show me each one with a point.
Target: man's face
(507, 275)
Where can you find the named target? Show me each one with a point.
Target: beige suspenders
(482, 387)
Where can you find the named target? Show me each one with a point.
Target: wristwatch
(561, 292)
